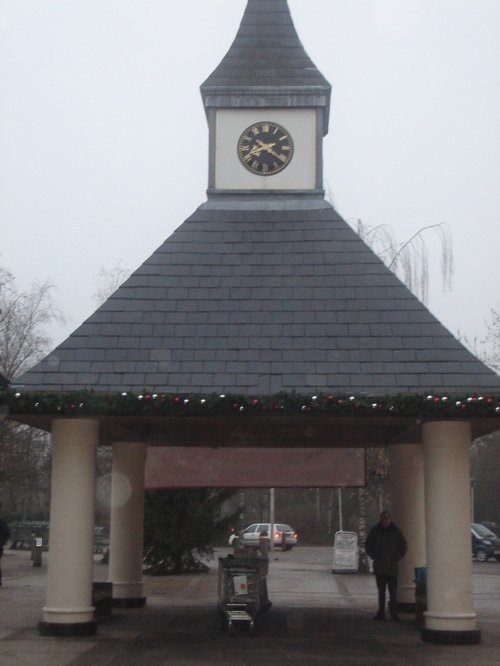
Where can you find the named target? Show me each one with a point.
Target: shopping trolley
(242, 591)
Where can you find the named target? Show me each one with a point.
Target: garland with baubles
(150, 403)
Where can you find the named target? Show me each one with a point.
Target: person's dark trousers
(391, 582)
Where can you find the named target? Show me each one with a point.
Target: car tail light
(277, 535)
(295, 536)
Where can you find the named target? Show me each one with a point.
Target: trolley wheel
(230, 628)
(252, 628)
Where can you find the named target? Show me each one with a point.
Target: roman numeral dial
(265, 148)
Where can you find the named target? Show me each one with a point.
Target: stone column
(69, 610)
(408, 512)
(127, 524)
(450, 616)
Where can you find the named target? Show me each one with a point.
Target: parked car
(284, 536)
(485, 543)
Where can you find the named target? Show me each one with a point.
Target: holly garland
(149, 403)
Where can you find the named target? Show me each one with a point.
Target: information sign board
(345, 552)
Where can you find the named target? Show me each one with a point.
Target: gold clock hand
(265, 146)
(274, 154)
(256, 150)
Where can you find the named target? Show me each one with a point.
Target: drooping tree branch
(409, 259)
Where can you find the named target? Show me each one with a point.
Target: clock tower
(267, 107)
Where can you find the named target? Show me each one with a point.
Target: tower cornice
(267, 66)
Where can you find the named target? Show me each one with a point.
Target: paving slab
(317, 619)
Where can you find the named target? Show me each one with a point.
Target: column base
(439, 637)
(67, 629)
(131, 602)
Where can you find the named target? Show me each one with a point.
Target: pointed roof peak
(266, 65)
(274, 10)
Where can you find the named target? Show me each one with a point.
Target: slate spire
(267, 65)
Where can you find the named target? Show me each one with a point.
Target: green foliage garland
(149, 403)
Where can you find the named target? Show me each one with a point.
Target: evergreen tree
(180, 525)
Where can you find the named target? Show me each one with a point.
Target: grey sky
(103, 138)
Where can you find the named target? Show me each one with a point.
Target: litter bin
(420, 594)
(36, 550)
(102, 600)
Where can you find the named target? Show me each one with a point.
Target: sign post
(345, 552)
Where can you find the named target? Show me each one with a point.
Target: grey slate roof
(266, 50)
(258, 301)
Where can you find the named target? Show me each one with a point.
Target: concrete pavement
(317, 619)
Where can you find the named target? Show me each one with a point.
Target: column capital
(74, 431)
(445, 433)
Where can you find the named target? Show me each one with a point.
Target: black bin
(36, 550)
(420, 594)
(102, 600)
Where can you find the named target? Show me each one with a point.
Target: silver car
(283, 535)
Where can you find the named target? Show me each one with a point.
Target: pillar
(68, 610)
(408, 512)
(127, 524)
(450, 616)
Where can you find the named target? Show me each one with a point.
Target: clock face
(265, 148)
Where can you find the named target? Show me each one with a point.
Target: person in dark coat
(386, 545)
(4, 537)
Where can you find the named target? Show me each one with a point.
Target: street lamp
(472, 483)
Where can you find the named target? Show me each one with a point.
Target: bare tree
(25, 461)
(485, 451)
(24, 315)
(491, 343)
(24, 452)
(488, 347)
(109, 279)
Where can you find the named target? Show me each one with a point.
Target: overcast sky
(103, 138)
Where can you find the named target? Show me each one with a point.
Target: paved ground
(317, 619)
